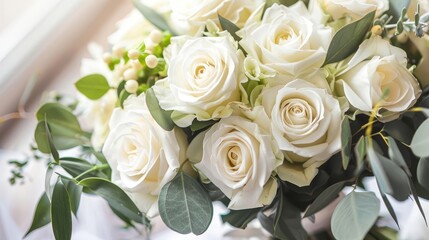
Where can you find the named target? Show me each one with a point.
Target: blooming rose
(142, 155)
(190, 16)
(354, 9)
(204, 76)
(286, 40)
(238, 157)
(377, 75)
(305, 123)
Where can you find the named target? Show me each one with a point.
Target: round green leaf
(420, 141)
(355, 215)
(185, 206)
(93, 86)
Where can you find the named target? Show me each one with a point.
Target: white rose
(378, 69)
(190, 16)
(142, 155)
(134, 28)
(239, 157)
(305, 123)
(355, 9)
(287, 41)
(204, 77)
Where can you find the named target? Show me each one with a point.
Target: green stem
(95, 168)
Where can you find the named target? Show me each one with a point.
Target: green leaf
(74, 192)
(161, 116)
(199, 125)
(75, 166)
(347, 40)
(420, 141)
(48, 176)
(64, 126)
(93, 86)
(153, 17)
(355, 215)
(287, 220)
(61, 213)
(325, 198)
(41, 215)
(185, 206)
(399, 130)
(391, 178)
(360, 152)
(396, 156)
(346, 142)
(51, 145)
(229, 27)
(416, 199)
(240, 218)
(423, 172)
(287, 3)
(395, 8)
(115, 196)
(388, 206)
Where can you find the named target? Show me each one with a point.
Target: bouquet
(269, 107)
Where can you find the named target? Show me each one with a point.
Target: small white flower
(354, 9)
(239, 158)
(204, 77)
(305, 123)
(142, 155)
(379, 69)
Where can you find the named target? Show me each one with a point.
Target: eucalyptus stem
(95, 168)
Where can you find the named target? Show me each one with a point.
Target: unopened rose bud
(130, 74)
(151, 61)
(131, 86)
(156, 36)
(133, 54)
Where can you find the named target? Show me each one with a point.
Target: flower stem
(94, 168)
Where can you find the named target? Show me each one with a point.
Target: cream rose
(286, 41)
(142, 155)
(305, 123)
(239, 157)
(204, 77)
(377, 75)
(190, 16)
(354, 9)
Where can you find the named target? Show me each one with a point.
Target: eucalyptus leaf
(423, 172)
(153, 16)
(161, 116)
(74, 192)
(200, 125)
(93, 86)
(75, 166)
(59, 115)
(51, 145)
(396, 156)
(417, 200)
(240, 218)
(395, 8)
(184, 205)
(115, 196)
(399, 130)
(346, 142)
(386, 170)
(229, 27)
(420, 142)
(42, 214)
(287, 3)
(355, 215)
(48, 176)
(325, 198)
(360, 153)
(61, 213)
(347, 40)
